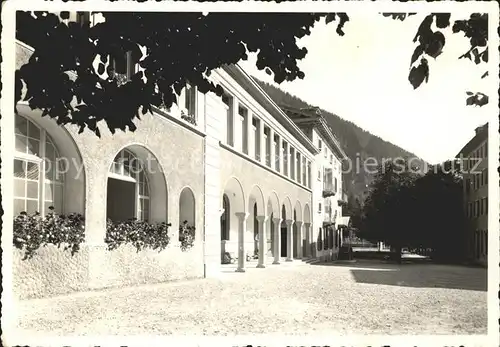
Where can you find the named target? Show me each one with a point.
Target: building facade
(251, 181)
(474, 158)
(327, 169)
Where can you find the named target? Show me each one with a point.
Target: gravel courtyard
(293, 298)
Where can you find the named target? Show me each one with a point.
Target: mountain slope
(356, 142)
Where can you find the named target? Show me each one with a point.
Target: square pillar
(300, 244)
(277, 231)
(287, 154)
(248, 128)
(308, 240)
(242, 226)
(298, 173)
(272, 153)
(280, 155)
(289, 240)
(236, 120)
(262, 241)
(262, 144)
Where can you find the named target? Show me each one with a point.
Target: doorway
(283, 239)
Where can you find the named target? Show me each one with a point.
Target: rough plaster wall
(124, 266)
(50, 272)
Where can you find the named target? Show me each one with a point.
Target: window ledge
(182, 122)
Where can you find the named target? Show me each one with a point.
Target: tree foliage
(71, 79)
(354, 211)
(62, 80)
(357, 143)
(443, 223)
(430, 44)
(406, 209)
(385, 213)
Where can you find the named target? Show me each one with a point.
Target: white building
(474, 156)
(234, 167)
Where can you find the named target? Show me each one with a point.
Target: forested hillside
(356, 142)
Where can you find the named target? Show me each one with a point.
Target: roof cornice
(247, 82)
(318, 121)
(478, 138)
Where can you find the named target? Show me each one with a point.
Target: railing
(328, 190)
(343, 200)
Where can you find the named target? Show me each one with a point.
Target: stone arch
(299, 211)
(187, 211)
(287, 205)
(273, 211)
(307, 214)
(256, 207)
(187, 206)
(72, 163)
(233, 198)
(146, 172)
(309, 241)
(273, 205)
(256, 197)
(236, 195)
(297, 230)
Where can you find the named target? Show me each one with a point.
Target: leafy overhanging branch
(177, 49)
(431, 44)
(172, 49)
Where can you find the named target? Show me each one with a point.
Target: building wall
(176, 149)
(264, 187)
(179, 153)
(323, 161)
(478, 192)
(245, 176)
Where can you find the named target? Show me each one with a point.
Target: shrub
(140, 234)
(186, 235)
(31, 231)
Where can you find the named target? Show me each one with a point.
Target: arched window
(128, 188)
(38, 170)
(187, 207)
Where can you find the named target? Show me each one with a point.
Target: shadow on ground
(468, 280)
(417, 275)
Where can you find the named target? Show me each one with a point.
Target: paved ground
(289, 298)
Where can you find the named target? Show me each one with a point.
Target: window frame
(136, 180)
(40, 161)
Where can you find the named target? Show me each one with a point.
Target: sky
(363, 77)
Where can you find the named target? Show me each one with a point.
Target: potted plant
(186, 235)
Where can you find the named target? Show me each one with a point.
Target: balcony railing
(328, 190)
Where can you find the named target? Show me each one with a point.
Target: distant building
(474, 159)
